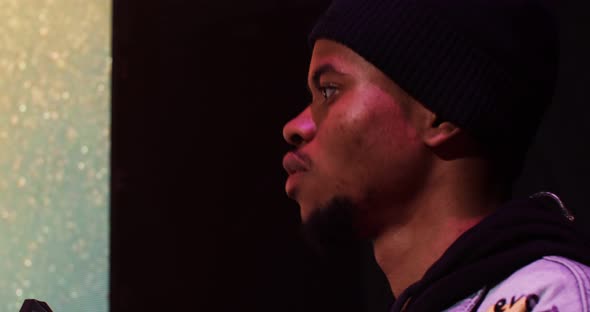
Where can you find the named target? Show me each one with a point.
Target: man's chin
(308, 213)
(332, 227)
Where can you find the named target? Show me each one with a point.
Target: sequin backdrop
(54, 144)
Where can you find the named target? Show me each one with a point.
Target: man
(421, 115)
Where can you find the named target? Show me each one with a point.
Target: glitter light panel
(55, 68)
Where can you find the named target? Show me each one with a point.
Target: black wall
(199, 217)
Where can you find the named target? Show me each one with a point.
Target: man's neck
(405, 251)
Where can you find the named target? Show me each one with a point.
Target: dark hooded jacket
(514, 236)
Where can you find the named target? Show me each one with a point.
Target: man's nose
(300, 129)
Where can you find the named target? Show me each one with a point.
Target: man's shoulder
(550, 284)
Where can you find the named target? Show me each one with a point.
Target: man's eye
(328, 91)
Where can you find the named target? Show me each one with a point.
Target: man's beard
(343, 256)
(332, 230)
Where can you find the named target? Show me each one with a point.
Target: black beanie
(489, 66)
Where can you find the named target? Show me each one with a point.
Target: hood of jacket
(516, 234)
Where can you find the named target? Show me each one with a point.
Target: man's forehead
(332, 57)
(326, 67)
(330, 51)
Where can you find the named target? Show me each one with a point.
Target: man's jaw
(331, 228)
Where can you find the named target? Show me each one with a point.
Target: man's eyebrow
(321, 70)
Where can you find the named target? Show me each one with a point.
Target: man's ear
(439, 133)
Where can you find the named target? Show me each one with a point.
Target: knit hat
(488, 66)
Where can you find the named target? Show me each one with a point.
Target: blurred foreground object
(32, 305)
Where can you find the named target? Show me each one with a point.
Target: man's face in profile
(356, 141)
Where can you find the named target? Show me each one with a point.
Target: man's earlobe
(440, 132)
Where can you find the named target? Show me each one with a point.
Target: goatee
(331, 230)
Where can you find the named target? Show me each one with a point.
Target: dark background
(200, 221)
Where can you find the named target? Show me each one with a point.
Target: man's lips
(295, 162)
